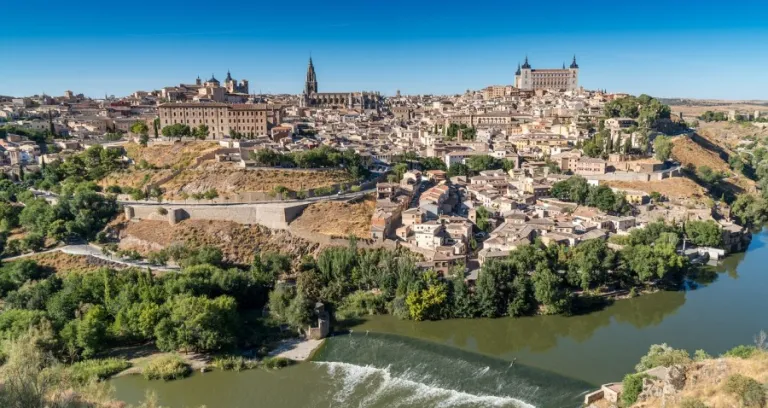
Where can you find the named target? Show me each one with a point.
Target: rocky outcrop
(663, 381)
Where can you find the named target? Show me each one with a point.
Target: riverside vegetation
(735, 378)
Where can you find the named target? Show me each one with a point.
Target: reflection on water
(495, 362)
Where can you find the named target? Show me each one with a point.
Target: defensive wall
(271, 215)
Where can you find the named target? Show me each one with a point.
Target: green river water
(541, 361)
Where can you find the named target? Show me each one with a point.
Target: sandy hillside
(705, 381)
(176, 155)
(63, 263)
(237, 242)
(227, 179)
(674, 188)
(337, 218)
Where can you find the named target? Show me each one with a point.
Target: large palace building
(559, 79)
(351, 100)
(222, 119)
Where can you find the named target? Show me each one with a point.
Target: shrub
(301, 194)
(633, 386)
(323, 191)
(234, 363)
(100, 369)
(662, 355)
(114, 189)
(692, 403)
(355, 189)
(748, 390)
(101, 237)
(741, 352)
(276, 362)
(158, 258)
(211, 194)
(361, 303)
(170, 367)
(701, 355)
(162, 211)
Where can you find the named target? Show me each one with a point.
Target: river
(541, 361)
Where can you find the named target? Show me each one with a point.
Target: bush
(323, 191)
(701, 355)
(170, 367)
(211, 194)
(741, 352)
(276, 362)
(162, 211)
(662, 355)
(748, 390)
(100, 369)
(633, 386)
(234, 363)
(361, 303)
(355, 189)
(101, 237)
(692, 403)
(114, 189)
(159, 258)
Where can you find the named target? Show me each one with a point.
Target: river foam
(369, 385)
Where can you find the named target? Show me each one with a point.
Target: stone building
(222, 119)
(559, 79)
(351, 100)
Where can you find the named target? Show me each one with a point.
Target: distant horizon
(688, 48)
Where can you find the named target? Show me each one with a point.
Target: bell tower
(310, 86)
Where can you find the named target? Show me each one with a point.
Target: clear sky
(692, 48)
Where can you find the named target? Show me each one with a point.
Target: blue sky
(701, 49)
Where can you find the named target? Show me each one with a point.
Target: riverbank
(297, 349)
(139, 357)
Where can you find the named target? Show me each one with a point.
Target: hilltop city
(533, 197)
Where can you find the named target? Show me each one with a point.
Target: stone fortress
(562, 79)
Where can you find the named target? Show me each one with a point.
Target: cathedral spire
(310, 86)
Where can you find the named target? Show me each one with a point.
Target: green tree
(662, 146)
(704, 233)
(427, 303)
(662, 355)
(201, 132)
(140, 128)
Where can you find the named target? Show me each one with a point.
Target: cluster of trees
(704, 233)
(81, 211)
(533, 279)
(38, 136)
(201, 308)
(476, 164)
(710, 116)
(467, 132)
(179, 131)
(578, 190)
(645, 109)
(321, 157)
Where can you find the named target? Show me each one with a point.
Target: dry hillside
(237, 242)
(176, 171)
(228, 179)
(337, 218)
(705, 381)
(176, 155)
(63, 263)
(701, 151)
(674, 188)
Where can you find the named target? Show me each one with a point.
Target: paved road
(85, 249)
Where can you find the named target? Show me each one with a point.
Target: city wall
(275, 216)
